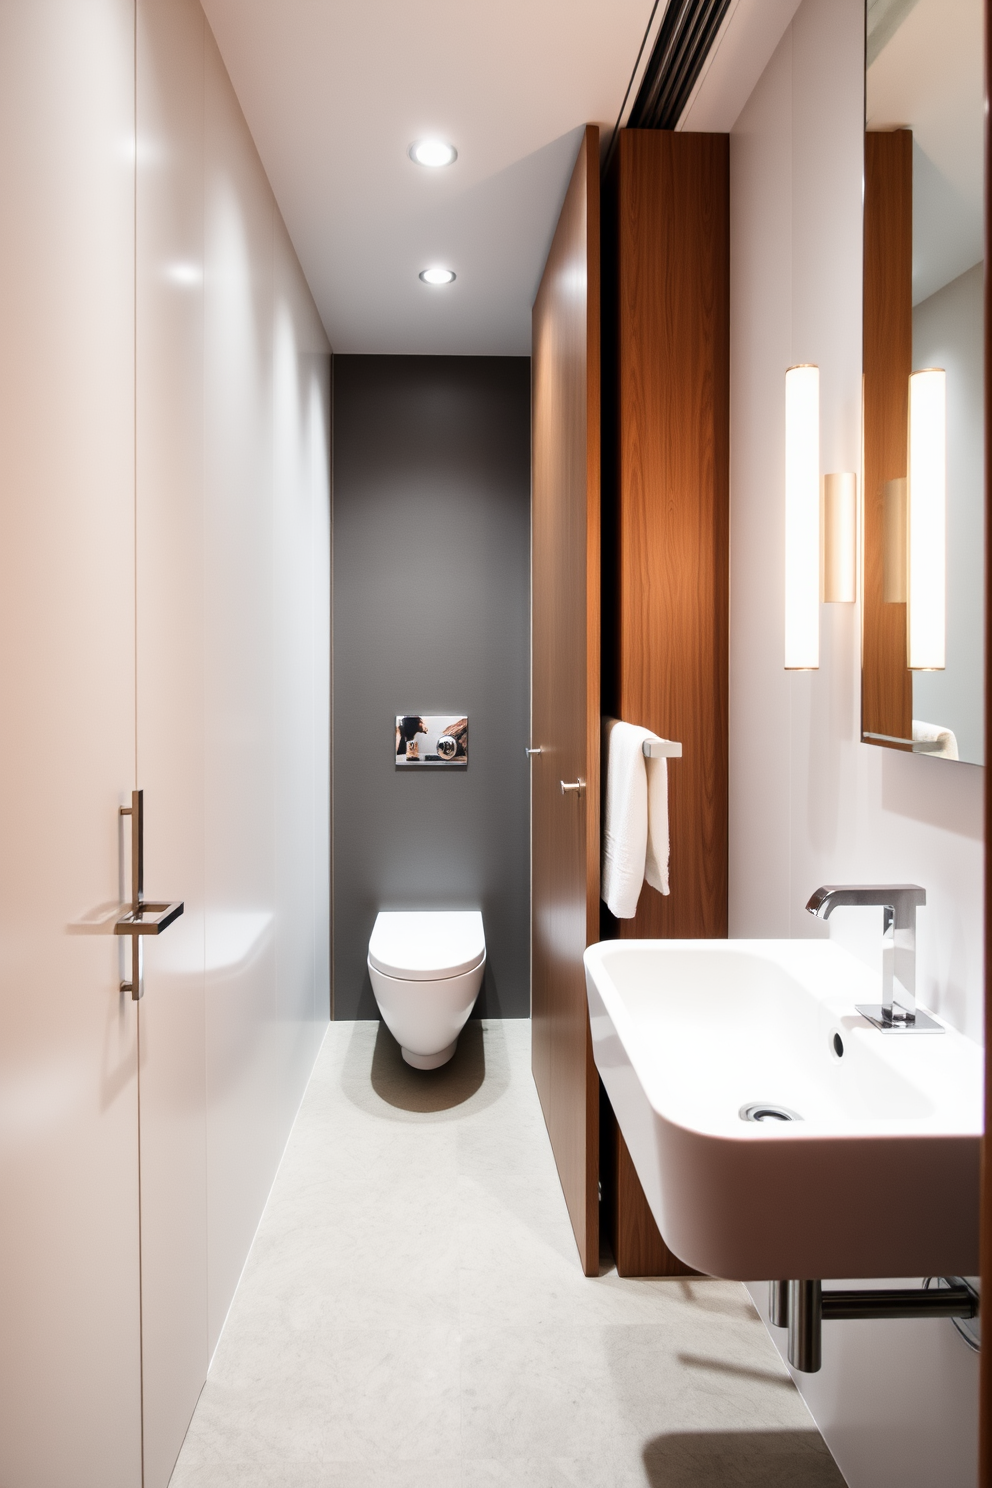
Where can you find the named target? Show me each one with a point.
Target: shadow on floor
(739, 1371)
(452, 1085)
(746, 1459)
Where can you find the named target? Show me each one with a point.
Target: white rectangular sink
(877, 1177)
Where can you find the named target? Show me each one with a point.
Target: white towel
(635, 818)
(943, 741)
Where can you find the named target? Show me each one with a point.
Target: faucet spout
(899, 903)
(902, 899)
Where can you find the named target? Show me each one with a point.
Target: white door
(164, 625)
(102, 1098)
(170, 766)
(70, 1412)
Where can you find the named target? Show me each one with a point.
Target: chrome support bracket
(809, 1307)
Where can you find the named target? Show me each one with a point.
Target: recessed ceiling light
(438, 276)
(433, 152)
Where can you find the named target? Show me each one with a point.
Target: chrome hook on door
(577, 786)
(142, 916)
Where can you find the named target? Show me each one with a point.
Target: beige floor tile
(428, 1474)
(327, 1393)
(413, 1313)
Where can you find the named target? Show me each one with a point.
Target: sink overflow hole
(765, 1111)
(838, 1044)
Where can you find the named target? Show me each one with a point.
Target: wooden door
(565, 711)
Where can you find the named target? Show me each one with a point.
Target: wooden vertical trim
(666, 539)
(886, 682)
(673, 499)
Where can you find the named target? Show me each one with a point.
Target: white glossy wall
(267, 678)
(233, 668)
(810, 804)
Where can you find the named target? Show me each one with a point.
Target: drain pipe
(803, 1307)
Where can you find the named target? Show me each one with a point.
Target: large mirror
(924, 438)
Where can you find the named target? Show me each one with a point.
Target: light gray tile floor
(413, 1314)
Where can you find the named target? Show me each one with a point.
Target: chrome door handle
(578, 785)
(529, 752)
(142, 916)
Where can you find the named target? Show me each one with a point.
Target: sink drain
(766, 1111)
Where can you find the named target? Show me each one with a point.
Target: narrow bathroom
(492, 561)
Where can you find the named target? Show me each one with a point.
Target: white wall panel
(266, 711)
(301, 699)
(810, 804)
(240, 946)
(170, 715)
(69, 1322)
(318, 392)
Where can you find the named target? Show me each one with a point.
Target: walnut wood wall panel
(670, 263)
(565, 710)
(886, 682)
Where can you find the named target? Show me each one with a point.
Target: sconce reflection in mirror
(820, 524)
(922, 513)
(914, 526)
(926, 524)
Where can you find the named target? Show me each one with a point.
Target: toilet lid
(426, 945)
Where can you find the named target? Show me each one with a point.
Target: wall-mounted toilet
(426, 968)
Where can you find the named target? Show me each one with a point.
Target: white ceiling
(335, 91)
(928, 77)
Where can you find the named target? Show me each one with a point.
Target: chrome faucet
(897, 1012)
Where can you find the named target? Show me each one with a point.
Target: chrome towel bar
(661, 749)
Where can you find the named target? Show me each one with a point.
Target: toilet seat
(427, 945)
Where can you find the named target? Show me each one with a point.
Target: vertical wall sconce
(927, 522)
(839, 538)
(802, 518)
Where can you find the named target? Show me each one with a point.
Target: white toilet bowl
(426, 968)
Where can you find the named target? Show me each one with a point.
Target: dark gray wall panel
(431, 615)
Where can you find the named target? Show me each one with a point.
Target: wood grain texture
(565, 708)
(985, 1385)
(666, 363)
(671, 447)
(886, 682)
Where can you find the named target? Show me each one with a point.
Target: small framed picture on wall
(431, 740)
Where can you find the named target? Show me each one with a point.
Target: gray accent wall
(432, 615)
